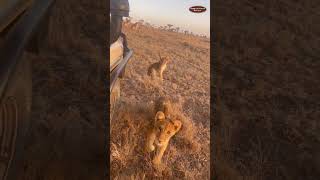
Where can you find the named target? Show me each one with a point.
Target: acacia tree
(169, 26)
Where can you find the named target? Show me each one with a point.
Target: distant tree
(177, 29)
(169, 26)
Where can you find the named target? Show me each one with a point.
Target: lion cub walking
(156, 69)
(160, 133)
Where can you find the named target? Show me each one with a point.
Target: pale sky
(175, 12)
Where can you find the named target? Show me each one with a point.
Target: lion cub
(156, 69)
(163, 104)
(159, 135)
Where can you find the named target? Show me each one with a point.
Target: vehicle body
(23, 24)
(120, 54)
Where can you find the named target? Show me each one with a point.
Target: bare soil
(186, 82)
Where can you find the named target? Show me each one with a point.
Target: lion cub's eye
(159, 128)
(168, 132)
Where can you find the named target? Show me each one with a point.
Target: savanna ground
(187, 83)
(67, 134)
(266, 123)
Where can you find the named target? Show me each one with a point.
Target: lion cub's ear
(177, 125)
(160, 116)
(167, 59)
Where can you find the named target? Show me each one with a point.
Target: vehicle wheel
(114, 97)
(15, 108)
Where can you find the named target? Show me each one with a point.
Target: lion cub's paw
(150, 148)
(157, 165)
(156, 161)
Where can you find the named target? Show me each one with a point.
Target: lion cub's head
(164, 59)
(165, 128)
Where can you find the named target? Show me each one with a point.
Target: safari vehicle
(119, 51)
(23, 25)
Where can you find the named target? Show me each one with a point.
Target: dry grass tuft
(128, 134)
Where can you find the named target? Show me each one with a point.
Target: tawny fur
(159, 135)
(157, 69)
(163, 104)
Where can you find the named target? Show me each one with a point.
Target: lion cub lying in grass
(161, 131)
(156, 69)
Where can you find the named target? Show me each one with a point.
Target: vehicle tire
(15, 108)
(114, 97)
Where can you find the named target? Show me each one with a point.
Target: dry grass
(186, 82)
(267, 75)
(185, 157)
(66, 139)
